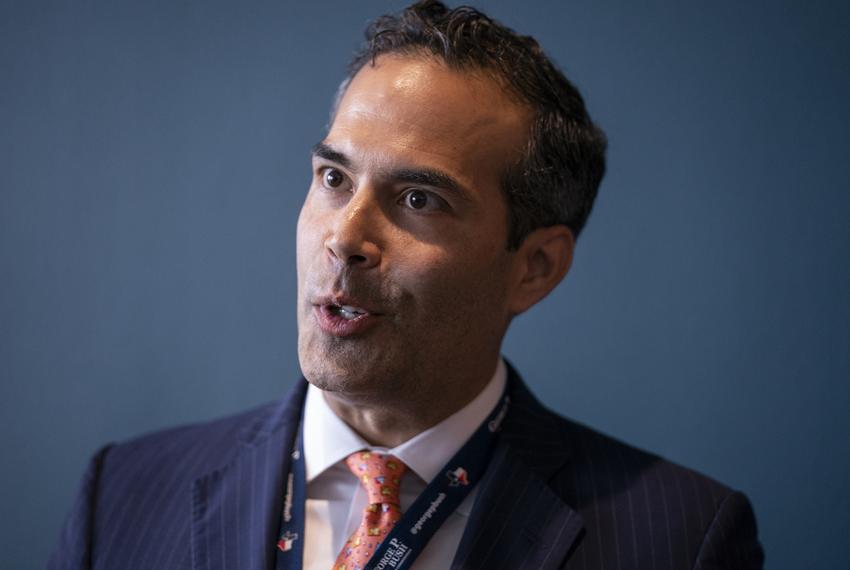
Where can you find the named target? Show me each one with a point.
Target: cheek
(453, 289)
(308, 237)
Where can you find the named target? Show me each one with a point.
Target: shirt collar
(328, 440)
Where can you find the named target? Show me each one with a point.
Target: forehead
(417, 110)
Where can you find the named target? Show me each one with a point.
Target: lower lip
(335, 325)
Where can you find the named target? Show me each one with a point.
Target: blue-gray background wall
(153, 158)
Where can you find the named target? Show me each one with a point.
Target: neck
(391, 423)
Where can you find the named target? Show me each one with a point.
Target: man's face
(403, 271)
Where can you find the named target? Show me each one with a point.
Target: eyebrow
(428, 177)
(418, 175)
(322, 150)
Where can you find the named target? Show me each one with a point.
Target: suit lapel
(518, 521)
(236, 508)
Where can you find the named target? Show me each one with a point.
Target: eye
(423, 201)
(332, 178)
(416, 199)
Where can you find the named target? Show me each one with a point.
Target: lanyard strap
(411, 534)
(290, 544)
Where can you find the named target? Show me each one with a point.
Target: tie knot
(379, 473)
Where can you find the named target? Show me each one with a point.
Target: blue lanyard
(411, 534)
(290, 544)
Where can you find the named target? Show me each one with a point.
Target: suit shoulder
(615, 485)
(596, 462)
(597, 452)
(210, 442)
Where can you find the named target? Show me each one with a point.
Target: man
(458, 170)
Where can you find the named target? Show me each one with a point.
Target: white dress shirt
(336, 499)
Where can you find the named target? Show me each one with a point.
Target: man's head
(406, 281)
(555, 179)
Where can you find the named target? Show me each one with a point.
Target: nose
(352, 240)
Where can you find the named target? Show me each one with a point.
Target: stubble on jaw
(400, 369)
(359, 365)
(436, 365)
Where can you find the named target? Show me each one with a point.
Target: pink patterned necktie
(380, 474)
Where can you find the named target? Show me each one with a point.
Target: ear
(542, 261)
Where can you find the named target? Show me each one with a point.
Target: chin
(364, 381)
(323, 383)
(319, 370)
(341, 380)
(363, 368)
(331, 369)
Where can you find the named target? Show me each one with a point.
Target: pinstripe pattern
(555, 495)
(203, 497)
(559, 495)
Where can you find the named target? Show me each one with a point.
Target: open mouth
(337, 318)
(347, 312)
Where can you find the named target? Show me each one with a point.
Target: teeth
(347, 312)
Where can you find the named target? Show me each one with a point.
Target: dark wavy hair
(558, 176)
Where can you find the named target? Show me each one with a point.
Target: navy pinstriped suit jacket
(556, 495)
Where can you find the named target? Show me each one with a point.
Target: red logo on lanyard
(285, 542)
(457, 477)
